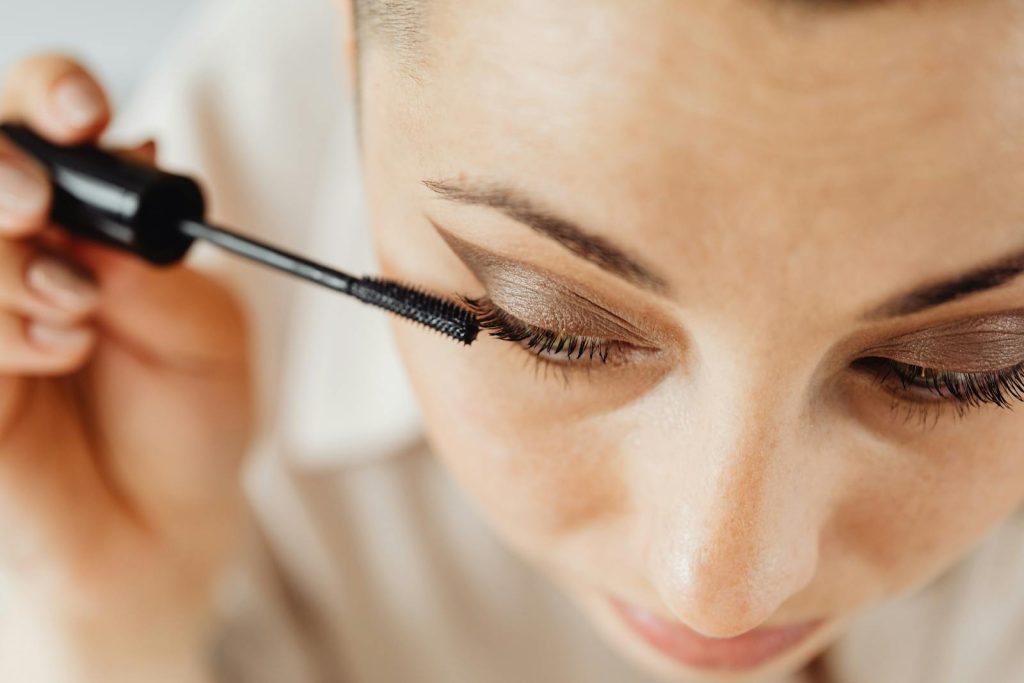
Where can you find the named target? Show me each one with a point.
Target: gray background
(118, 39)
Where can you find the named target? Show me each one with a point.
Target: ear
(348, 38)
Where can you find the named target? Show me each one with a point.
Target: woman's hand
(124, 413)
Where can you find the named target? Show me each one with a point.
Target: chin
(625, 639)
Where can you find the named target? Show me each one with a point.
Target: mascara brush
(158, 216)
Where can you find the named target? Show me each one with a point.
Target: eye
(565, 349)
(921, 386)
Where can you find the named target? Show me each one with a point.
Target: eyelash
(963, 390)
(576, 351)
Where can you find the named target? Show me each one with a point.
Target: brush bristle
(439, 314)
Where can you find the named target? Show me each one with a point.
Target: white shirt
(369, 566)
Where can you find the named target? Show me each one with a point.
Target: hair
(400, 24)
(397, 22)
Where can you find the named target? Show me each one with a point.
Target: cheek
(909, 522)
(539, 477)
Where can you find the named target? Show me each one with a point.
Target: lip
(683, 644)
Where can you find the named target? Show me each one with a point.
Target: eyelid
(554, 347)
(568, 312)
(546, 299)
(984, 343)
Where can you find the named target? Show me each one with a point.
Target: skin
(784, 169)
(113, 529)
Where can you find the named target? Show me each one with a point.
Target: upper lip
(746, 650)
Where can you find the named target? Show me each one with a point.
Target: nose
(737, 534)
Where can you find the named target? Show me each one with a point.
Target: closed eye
(550, 346)
(918, 384)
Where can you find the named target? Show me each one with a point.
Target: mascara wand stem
(439, 314)
(282, 260)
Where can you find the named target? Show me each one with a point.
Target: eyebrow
(593, 248)
(980, 279)
(616, 260)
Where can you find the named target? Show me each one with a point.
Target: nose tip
(727, 606)
(722, 587)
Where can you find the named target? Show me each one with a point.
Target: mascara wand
(158, 216)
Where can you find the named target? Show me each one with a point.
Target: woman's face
(763, 249)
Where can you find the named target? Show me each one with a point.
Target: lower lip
(688, 647)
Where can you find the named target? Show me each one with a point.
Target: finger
(44, 285)
(177, 338)
(144, 153)
(52, 497)
(57, 97)
(36, 348)
(173, 315)
(24, 193)
(54, 238)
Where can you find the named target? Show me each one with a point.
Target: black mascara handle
(109, 199)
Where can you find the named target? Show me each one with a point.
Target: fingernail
(78, 101)
(52, 336)
(61, 283)
(22, 193)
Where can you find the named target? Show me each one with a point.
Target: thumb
(172, 317)
(170, 375)
(169, 380)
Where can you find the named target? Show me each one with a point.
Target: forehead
(738, 137)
